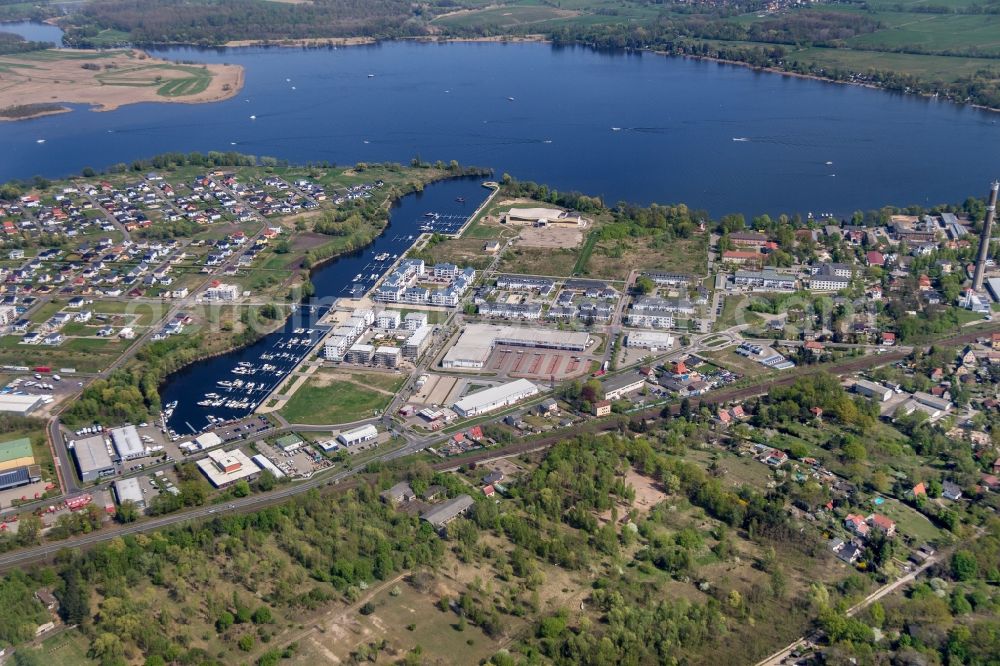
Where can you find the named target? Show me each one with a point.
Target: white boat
(371, 76)
(740, 138)
(510, 99)
(616, 129)
(40, 141)
(253, 117)
(357, 278)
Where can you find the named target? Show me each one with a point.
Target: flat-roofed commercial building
(441, 514)
(495, 397)
(649, 340)
(224, 468)
(93, 458)
(477, 341)
(20, 476)
(621, 385)
(127, 443)
(872, 390)
(262, 461)
(129, 490)
(20, 404)
(358, 435)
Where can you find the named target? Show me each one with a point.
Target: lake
(638, 127)
(34, 32)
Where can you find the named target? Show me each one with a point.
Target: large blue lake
(714, 136)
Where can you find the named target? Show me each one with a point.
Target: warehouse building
(20, 404)
(620, 386)
(262, 461)
(20, 476)
(224, 468)
(129, 490)
(872, 390)
(441, 514)
(127, 443)
(477, 341)
(496, 397)
(357, 436)
(93, 458)
(649, 340)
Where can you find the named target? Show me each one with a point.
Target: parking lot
(537, 363)
(51, 389)
(243, 429)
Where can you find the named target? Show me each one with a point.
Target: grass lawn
(734, 311)
(379, 380)
(539, 261)
(321, 402)
(68, 648)
(909, 521)
(615, 258)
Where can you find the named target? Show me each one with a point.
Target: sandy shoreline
(109, 80)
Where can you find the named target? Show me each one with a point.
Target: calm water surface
(717, 137)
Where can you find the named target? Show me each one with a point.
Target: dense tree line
(210, 22)
(12, 43)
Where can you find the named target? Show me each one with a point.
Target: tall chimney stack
(984, 240)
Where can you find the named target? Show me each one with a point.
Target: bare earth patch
(647, 495)
(550, 237)
(110, 79)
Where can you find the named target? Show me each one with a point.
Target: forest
(210, 22)
(710, 572)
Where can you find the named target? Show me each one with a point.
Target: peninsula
(39, 83)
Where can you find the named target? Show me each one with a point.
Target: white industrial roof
(261, 460)
(207, 440)
(92, 454)
(129, 489)
(478, 340)
(214, 466)
(127, 441)
(651, 337)
(364, 432)
(495, 394)
(21, 404)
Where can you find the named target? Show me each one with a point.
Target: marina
(231, 386)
